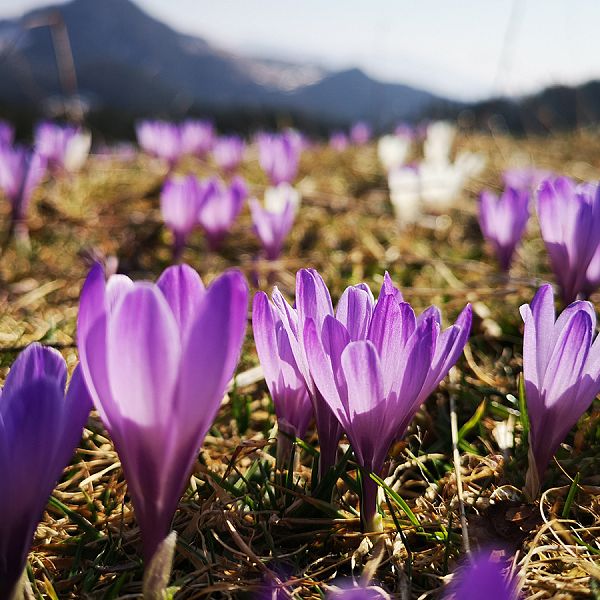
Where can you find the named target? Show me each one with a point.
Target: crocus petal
(354, 311)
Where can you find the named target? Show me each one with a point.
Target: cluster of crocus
(156, 359)
(436, 181)
(503, 220)
(228, 152)
(561, 368)
(369, 364)
(273, 221)
(40, 427)
(569, 217)
(279, 155)
(187, 202)
(21, 171)
(360, 133)
(161, 139)
(65, 148)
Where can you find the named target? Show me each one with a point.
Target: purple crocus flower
(338, 141)
(360, 133)
(197, 137)
(375, 364)
(160, 139)
(284, 378)
(480, 573)
(219, 207)
(20, 173)
(228, 152)
(503, 221)
(525, 178)
(64, 147)
(273, 222)
(561, 368)
(7, 134)
(39, 429)
(156, 359)
(312, 302)
(569, 217)
(278, 156)
(179, 204)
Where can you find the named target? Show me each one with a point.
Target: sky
(465, 49)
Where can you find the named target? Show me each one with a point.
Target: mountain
(126, 60)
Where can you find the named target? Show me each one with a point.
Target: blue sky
(462, 48)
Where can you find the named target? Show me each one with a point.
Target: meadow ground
(241, 525)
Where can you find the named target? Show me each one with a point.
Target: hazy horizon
(470, 50)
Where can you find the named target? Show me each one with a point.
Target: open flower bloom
(482, 576)
(179, 204)
(39, 429)
(393, 150)
(569, 217)
(273, 222)
(156, 359)
(278, 155)
(160, 139)
(196, 137)
(20, 173)
(338, 141)
(64, 147)
(561, 368)
(219, 207)
(284, 379)
(503, 220)
(360, 133)
(228, 152)
(375, 364)
(7, 134)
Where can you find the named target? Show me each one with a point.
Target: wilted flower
(360, 133)
(282, 373)
(64, 147)
(393, 151)
(197, 137)
(561, 368)
(278, 156)
(39, 429)
(160, 139)
(156, 359)
(338, 141)
(273, 222)
(20, 173)
(179, 204)
(219, 207)
(503, 221)
(375, 364)
(7, 133)
(228, 152)
(482, 576)
(569, 217)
